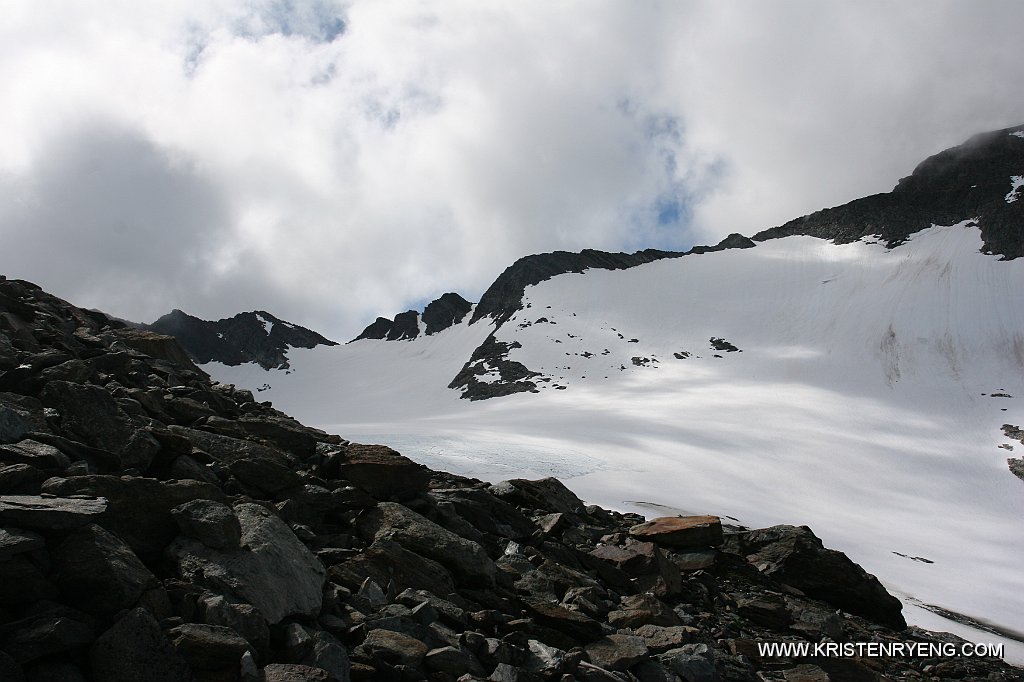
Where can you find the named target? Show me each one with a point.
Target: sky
(330, 161)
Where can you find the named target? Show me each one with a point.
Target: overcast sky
(330, 161)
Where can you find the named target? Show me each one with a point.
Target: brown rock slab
(49, 513)
(383, 473)
(680, 531)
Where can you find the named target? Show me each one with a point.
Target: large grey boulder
(272, 570)
(465, 559)
(49, 513)
(212, 523)
(12, 427)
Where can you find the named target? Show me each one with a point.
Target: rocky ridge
(255, 336)
(155, 525)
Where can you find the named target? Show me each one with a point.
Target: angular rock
(273, 570)
(453, 661)
(53, 671)
(393, 648)
(47, 636)
(40, 455)
(10, 671)
(386, 561)
(140, 508)
(465, 559)
(208, 647)
(642, 609)
(212, 523)
(21, 479)
(616, 652)
(795, 556)
(22, 581)
(226, 449)
(266, 475)
(12, 427)
(680, 531)
(572, 623)
(49, 513)
(290, 672)
(382, 472)
(98, 573)
(135, 649)
(318, 649)
(547, 494)
(14, 541)
(245, 619)
(661, 639)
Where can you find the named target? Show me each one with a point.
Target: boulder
(386, 561)
(680, 531)
(212, 523)
(12, 427)
(382, 472)
(22, 581)
(265, 475)
(140, 508)
(393, 648)
(98, 573)
(290, 672)
(40, 455)
(547, 494)
(208, 647)
(226, 449)
(465, 559)
(21, 479)
(49, 513)
(14, 541)
(573, 624)
(245, 619)
(616, 652)
(48, 636)
(272, 570)
(795, 556)
(318, 649)
(135, 649)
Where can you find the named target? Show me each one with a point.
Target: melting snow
(267, 324)
(1017, 181)
(1018, 133)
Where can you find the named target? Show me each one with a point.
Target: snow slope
(861, 402)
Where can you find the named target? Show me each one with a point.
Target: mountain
(256, 337)
(157, 525)
(861, 368)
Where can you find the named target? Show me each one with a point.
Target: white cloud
(335, 161)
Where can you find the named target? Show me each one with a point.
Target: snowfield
(866, 401)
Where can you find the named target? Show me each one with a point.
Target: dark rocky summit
(247, 337)
(440, 314)
(969, 182)
(157, 526)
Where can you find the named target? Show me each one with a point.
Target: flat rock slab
(383, 473)
(680, 531)
(49, 513)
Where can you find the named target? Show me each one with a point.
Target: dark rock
(135, 649)
(53, 671)
(572, 623)
(10, 671)
(485, 512)
(642, 609)
(680, 531)
(47, 636)
(139, 510)
(389, 562)
(39, 455)
(21, 479)
(492, 355)
(226, 449)
(212, 523)
(14, 541)
(12, 427)
(616, 652)
(319, 649)
(208, 647)
(661, 639)
(23, 581)
(98, 573)
(448, 310)
(795, 556)
(547, 494)
(245, 619)
(49, 513)
(273, 570)
(290, 672)
(452, 660)
(185, 467)
(247, 337)
(383, 473)
(393, 648)
(465, 559)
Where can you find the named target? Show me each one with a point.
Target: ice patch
(267, 324)
(1017, 133)
(1017, 181)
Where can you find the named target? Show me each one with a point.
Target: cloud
(331, 161)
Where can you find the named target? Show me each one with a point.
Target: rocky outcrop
(177, 530)
(440, 314)
(255, 336)
(967, 182)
